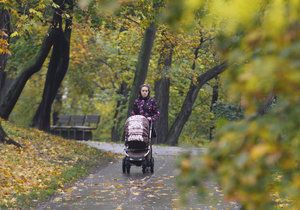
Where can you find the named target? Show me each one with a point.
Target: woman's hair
(147, 86)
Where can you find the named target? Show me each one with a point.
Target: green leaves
(54, 5)
(228, 111)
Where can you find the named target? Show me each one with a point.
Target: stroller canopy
(137, 129)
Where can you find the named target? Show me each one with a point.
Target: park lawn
(44, 165)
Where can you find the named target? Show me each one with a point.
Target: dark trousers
(153, 132)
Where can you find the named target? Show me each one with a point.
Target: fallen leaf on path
(58, 199)
(150, 196)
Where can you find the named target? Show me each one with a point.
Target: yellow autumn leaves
(42, 158)
(3, 47)
(3, 43)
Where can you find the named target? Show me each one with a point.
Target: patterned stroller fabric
(137, 129)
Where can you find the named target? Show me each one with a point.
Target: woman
(146, 106)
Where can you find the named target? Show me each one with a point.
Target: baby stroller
(138, 146)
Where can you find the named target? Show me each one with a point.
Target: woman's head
(144, 91)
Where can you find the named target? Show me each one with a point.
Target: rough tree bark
(162, 90)
(142, 64)
(57, 69)
(186, 108)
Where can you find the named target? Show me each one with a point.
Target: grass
(201, 142)
(45, 165)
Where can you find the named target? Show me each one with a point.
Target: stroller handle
(150, 137)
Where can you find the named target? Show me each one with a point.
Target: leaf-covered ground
(42, 167)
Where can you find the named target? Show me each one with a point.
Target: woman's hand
(149, 118)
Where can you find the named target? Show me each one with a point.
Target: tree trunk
(4, 35)
(192, 86)
(2, 134)
(142, 64)
(57, 69)
(116, 131)
(162, 90)
(2, 81)
(41, 115)
(186, 109)
(57, 104)
(214, 99)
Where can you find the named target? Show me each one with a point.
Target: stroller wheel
(144, 170)
(128, 169)
(123, 166)
(152, 166)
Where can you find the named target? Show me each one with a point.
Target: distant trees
(162, 89)
(189, 101)
(105, 50)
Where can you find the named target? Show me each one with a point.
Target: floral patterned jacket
(146, 107)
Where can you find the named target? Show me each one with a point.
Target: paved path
(108, 188)
(157, 150)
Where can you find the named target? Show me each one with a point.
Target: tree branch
(213, 72)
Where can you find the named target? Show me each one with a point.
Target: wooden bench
(77, 127)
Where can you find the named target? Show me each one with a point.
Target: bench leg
(88, 135)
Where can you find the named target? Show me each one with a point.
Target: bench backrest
(92, 120)
(77, 120)
(63, 120)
